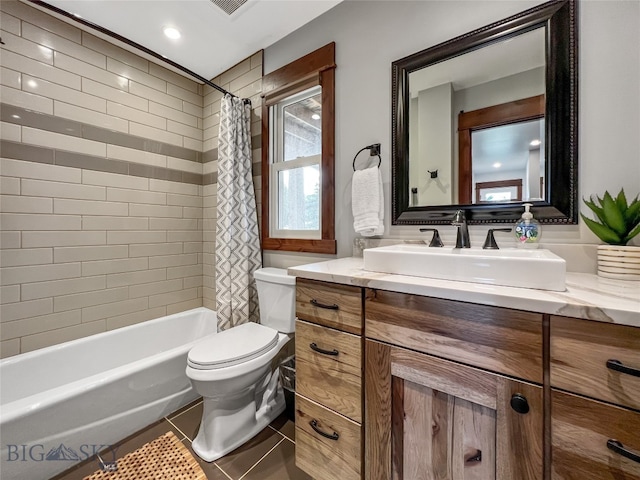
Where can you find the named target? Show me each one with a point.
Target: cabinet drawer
(580, 430)
(580, 350)
(498, 339)
(336, 306)
(327, 458)
(331, 379)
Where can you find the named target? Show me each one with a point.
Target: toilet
(232, 370)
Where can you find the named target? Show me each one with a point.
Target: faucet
(462, 235)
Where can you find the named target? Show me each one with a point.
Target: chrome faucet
(462, 235)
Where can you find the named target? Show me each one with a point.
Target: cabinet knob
(519, 403)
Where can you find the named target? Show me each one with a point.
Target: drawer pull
(316, 348)
(330, 436)
(617, 447)
(316, 303)
(618, 366)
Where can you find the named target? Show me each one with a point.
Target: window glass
(299, 198)
(302, 128)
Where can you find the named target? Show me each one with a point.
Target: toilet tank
(277, 297)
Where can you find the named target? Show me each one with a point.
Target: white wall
(435, 141)
(369, 35)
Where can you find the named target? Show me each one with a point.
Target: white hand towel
(367, 202)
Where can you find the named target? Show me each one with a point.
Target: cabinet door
(429, 418)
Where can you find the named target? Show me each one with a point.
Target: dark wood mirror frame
(561, 119)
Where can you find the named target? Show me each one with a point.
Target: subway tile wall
(105, 199)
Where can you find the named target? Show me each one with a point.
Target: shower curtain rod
(131, 43)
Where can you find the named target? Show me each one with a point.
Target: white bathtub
(93, 392)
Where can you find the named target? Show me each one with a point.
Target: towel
(367, 202)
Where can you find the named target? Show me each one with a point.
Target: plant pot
(621, 262)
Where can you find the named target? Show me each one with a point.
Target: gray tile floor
(270, 455)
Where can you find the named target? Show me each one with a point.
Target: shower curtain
(237, 239)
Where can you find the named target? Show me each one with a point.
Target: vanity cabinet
(595, 400)
(440, 398)
(444, 389)
(329, 377)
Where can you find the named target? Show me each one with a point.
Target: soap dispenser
(527, 230)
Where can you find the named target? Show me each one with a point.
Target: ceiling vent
(229, 6)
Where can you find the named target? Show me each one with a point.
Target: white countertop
(587, 296)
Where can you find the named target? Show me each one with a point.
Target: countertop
(587, 296)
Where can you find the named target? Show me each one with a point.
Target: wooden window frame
(517, 183)
(315, 68)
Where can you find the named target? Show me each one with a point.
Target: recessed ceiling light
(497, 165)
(172, 33)
(315, 116)
(535, 143)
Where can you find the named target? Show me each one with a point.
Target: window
(298, 155)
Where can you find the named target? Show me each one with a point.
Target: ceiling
(212, 41)
(505, 58)
(506, 147)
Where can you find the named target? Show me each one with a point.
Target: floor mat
(165, 458)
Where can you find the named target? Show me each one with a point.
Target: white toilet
(232, 370)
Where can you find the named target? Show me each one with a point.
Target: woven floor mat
(165, 458)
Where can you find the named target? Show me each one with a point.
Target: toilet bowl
(233, 373)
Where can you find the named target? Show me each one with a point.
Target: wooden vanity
(396, 385)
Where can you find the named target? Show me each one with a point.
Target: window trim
(315, 68)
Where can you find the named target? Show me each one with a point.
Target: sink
(512, 267)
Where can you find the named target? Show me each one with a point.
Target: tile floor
(268, 456)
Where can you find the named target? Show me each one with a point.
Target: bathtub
(61, 404)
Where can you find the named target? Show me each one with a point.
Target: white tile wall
(9, 78)
(27, 48)
(22, 99)
(84, 115)
(20, 63)
(99, 74)
(61, 44)
(62, 93)
(86, 251)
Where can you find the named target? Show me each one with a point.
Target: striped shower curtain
(237, 239)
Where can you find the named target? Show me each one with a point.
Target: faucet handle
(490, 241)
(435, 240)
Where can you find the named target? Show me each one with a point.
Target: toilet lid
(232, 347)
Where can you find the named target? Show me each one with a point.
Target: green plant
(619, 221)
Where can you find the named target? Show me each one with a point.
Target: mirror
(488, 120)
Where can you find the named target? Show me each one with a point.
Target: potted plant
(617, 223)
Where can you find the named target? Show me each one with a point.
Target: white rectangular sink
(510, 267)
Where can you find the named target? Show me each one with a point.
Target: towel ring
(374, 150)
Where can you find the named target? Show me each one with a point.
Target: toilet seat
(233, 347)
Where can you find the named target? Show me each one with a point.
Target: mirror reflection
(477, 126)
